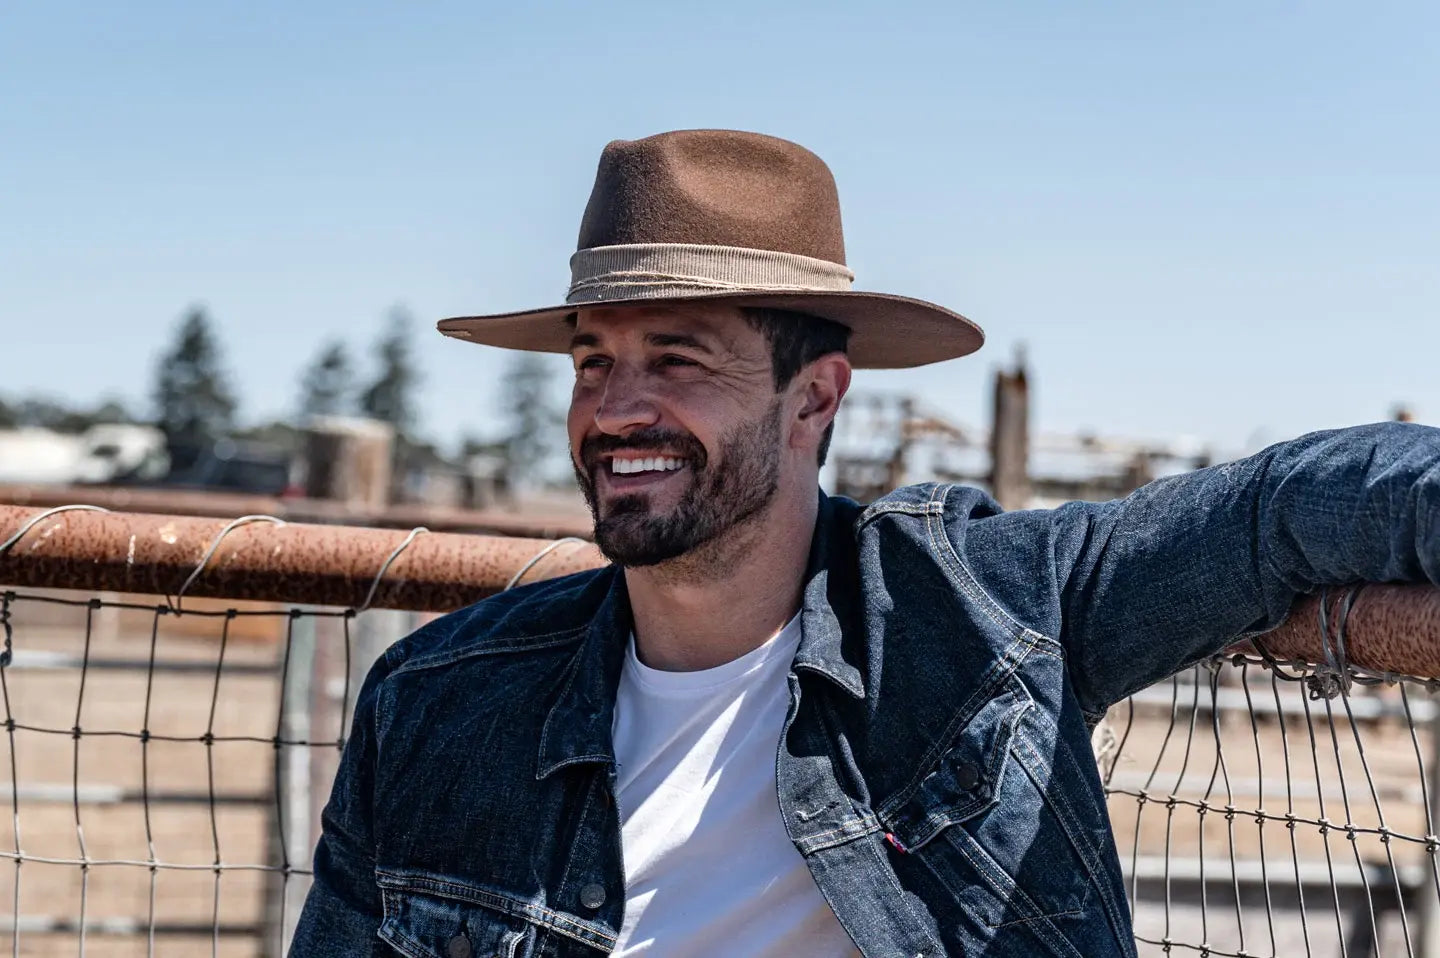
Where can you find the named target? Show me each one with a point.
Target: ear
(821, 386)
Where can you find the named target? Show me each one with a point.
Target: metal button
(967, 776)
(458, 947)
(592, 895)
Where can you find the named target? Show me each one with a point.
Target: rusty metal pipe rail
(268, 561)
(1390, 628)
(227, 505)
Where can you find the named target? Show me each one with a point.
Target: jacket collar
(578, 726)
(832, 587)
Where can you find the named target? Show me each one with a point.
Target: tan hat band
(663, 270)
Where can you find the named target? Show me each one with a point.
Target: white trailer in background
(102, 453)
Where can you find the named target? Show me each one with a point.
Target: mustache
(645, 440)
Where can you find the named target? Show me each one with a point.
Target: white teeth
(626, 467)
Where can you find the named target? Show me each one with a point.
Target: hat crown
(714, 188)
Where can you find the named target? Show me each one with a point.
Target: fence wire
(167, 766)
(1272, 809)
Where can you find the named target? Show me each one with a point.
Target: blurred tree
(391, 396)
(277, 433)
(194, 405)
(533, 421)
(46, 413)
(327, 385)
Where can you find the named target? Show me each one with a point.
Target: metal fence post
(1427, 922)
(293, 787)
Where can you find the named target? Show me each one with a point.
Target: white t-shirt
(709, 869)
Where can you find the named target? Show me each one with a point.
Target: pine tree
(194, 404)
(390, 397)
(328, 383)
(533, 420)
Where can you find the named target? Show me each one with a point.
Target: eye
(673, 360)
(592, 362)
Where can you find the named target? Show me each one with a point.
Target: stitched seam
(540, 773)
(966, 714)
(548, 640)
(963, 715)
(1041, 650)
(882, 508)
(944, 550)
(584, 814)
(885, 870)
(850, 829)
(931, 825)
(1022, 921)
(402, 942)
(1083, 848)
(556, 921)
(405, 944)
(965, 579)
(1010, 891)
(1089, 853)
(577, 759)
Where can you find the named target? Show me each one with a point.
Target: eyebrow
(677, 339)
(589, 340)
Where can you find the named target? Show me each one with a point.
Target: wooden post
(1010, 438)
(348, 460)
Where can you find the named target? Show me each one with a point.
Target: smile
(630, 467)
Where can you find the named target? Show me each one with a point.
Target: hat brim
(887, 332)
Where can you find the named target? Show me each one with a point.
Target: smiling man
(780, 723)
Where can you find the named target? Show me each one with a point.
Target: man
(780, 723)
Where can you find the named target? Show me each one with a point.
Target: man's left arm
(1178, 569)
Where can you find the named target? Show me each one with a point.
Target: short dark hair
(796, 340)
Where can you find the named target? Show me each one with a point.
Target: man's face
(675, 427)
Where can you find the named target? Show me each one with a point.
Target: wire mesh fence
(1264, 808)
(166, 767)
(167, 756)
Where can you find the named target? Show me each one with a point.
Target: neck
(734, 594)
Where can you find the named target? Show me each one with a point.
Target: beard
(721, 496)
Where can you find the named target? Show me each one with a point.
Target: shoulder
(948, 501)
(541, 615)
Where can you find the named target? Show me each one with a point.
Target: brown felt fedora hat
(724, 216)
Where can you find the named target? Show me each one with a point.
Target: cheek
(581, 416)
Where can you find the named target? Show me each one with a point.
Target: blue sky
(1220, 221)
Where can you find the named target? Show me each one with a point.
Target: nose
(626, 405)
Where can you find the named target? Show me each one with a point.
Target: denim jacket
(934, 770)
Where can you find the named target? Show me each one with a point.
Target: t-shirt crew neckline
(701, 681)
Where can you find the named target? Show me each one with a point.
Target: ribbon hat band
(661, 270)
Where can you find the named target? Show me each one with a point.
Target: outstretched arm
(1184, 565)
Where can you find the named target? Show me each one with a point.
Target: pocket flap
(965, 780)
(428, 925)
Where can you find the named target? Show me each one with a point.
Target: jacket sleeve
(1178, 569)
(342, 911)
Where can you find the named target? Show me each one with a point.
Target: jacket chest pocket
(966, 779)
(426, 924)
(979, 840)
